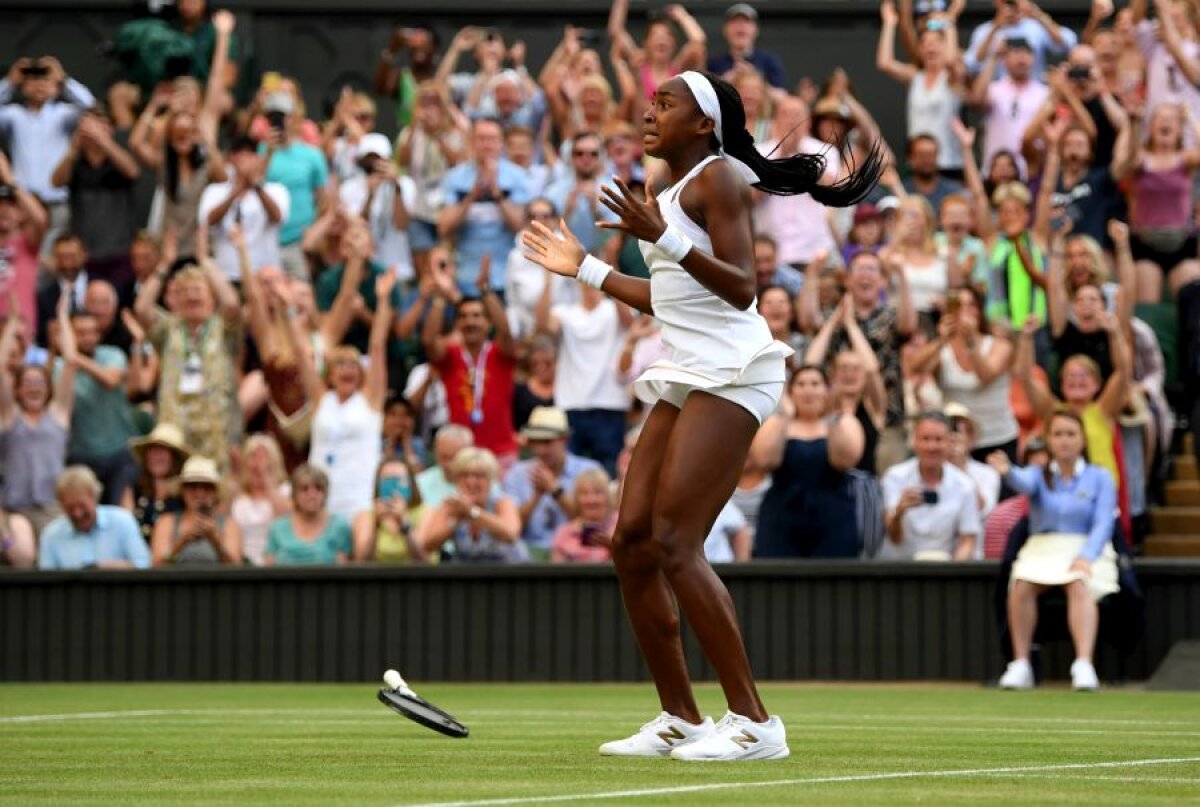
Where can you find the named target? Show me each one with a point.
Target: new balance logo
(671, 735)
(744, 739)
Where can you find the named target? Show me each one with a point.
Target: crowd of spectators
(238, 333)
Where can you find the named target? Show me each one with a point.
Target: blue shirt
(764, 61)
(102, 424)
(1031, 31)
(288, 549)
(114, 536)
(546, 516)
(483, 231)
(788, 278)
(301, 169)
(39, 138)
(1084, 505)
(582, 219)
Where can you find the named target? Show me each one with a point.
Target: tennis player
(724, 377)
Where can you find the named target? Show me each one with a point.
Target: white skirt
(1046, 559)
(756, 388)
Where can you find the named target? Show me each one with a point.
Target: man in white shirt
(1010, 103)
(382, 198)
(931, 511)
(798, 224)
(245, 200)
(984, 477)
(587, 383)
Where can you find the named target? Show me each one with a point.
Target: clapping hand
(384, 284)
(1000, 461)
(136, 332)
(642, 220)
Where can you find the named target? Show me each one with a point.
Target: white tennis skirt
(1046, 559)
(756, 388)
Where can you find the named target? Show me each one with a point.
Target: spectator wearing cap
(539, 485)
(199, 533)
(484, 206)
(382, 198)
(99, 173)
(247, 202)
(1009, 102)
(587, 385)
(160, 456)
(768, 271)
(1044, 38)
(38, 130)
(923, 177)
(299, 167)
(741, 34)
(89, 535)
(23, 223)
(866, 231)
(931, 509)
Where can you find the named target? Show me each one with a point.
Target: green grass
(302, 745)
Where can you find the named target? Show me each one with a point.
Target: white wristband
(592, 272)
(674, 244)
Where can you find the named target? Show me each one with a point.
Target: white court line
(1160, 780)
(169, 712)
(870, 777)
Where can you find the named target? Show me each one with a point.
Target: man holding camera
(932, 512)
(1019, 19)
(300, 168)
(382, 198)
(40, 127)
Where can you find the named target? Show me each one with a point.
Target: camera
(929, 497)
(1079, 73)
(275, 118)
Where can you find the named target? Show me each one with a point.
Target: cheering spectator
(349, 418)
(198, 343)
(914, 255)
(382, 198)
(386, 533)
(98, 173)
(310, 535)
(1170, 47)
(1074, 187)
(71, 276)
(659, 58)
(299, 167)
(89, 535)
(23, 223)
(246, 202)
(198, 533)
(809, 509)
(101, 423)
(484, 205)
(1011, 101)
(476, 371)
(539, 485)
(1070, 526)
(586, 385)
(964, 254)
(1024, 20)
(403, 82)
(342, 137)
(35, 416)
(39, 129)
(400, 440)
(932, 512)
(576, 195)
(972, 368)
(587, 538)
(936, 84)
(741, 33)
(525, 280)
(160, 456)
(435, 483)
(475, 524)
(101, 302)
(263, 494)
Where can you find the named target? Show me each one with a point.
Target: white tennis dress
(713, 346)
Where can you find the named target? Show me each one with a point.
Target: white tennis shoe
(659, 737)
(736, 738)
(1083, 676)
(1017, 675)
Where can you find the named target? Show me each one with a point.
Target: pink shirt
(1011, 108)
(1165, 82)
(18, 272)
(798, 223)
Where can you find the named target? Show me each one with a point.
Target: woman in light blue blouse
(1073, 507)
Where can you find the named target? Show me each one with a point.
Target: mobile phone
(393, 487)
(929, 497)
(1079, 73)
(952, 304)
(205, 510)
(275, 119)
(589, 37)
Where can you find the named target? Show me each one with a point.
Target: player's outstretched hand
(642, 220)
(561, 254)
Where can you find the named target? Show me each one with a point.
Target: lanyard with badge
(475, 380)
(191, 376)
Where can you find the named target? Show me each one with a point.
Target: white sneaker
(658, 737)
(1017, 675)
(738, 737)
(1083, 676)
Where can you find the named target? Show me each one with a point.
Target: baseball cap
(887, 203)
(741, 10)
(280, 102)
(865, 212)
(376, 144)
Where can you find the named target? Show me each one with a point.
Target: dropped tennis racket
(398, 697)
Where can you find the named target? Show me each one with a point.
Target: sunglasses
(584, 153)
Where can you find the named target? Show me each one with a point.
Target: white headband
(706, 99)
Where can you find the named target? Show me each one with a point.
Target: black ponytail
(800, 173)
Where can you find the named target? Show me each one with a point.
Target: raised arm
(259, 319)
(695, 50)
(845, 440)
(818, 348)
(1056, 286)
(1053, 132)
(885, 50)
(543, 320)
(1039, 395)
(1116, 388)
(501, 333)
(1175, 43)
(770, 441)
(375, 387)
(141, 140)
(1118, 232)
(8, 341)
(299, 341)
(63, 403)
